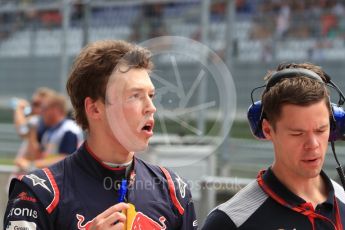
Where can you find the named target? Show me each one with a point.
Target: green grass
(7, 161)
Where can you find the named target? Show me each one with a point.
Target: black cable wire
(253, 90)
(341, 95)
(335, 156)
(340, 169)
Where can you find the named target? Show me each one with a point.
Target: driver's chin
(135, 144)
(137, 148)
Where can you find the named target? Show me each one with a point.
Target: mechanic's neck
(108, 152)
(313, 190)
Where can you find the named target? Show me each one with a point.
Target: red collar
(305, 209)
(88, 149)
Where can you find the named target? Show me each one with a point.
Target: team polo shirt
(253, 208)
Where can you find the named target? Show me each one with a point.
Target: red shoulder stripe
(172, 191)
(52, 181)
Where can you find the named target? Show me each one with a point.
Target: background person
(61, 136)
(28, 124)
(112, 94)
(294, 192)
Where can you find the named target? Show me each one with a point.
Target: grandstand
(38, 32)
(38, 43)
(33, 30)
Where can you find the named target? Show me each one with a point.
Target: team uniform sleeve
(181, 198)
(189, 221)
(218, 220)
(69, 143)
(24, 210)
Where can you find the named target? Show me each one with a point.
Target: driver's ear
(92, 108)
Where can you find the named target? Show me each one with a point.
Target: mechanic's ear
(267, 129)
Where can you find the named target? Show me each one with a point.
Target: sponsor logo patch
(195, 223)
(38, 181)
(26, 197)
(81, 223)
(138, 220)
(23, 212)
(182, 186)
(21, 225)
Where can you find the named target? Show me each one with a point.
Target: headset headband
(290, 73)
(337, 129)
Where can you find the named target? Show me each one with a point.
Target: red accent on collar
(88, 149)
(305, 209)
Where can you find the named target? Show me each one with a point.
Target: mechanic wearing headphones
(294, 192)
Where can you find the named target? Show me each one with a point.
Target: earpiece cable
(340, 169)
(253, 90)
(341, 95)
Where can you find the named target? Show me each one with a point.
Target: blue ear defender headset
(256, 113)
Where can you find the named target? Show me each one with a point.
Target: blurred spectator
(243, 6)
(329, 24)
(3, 31)
(25, 124)
(338, 9)
(283, 21)
(267, 51)
(218, 9)
(61, 137)
(312, 10)
(150, 23)
(28, 126)
(78, 9)
(10, 22)
(51, 19)
(260, 31)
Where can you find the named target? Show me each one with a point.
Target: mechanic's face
(300, 139)
(130, 109)
(48, 113)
